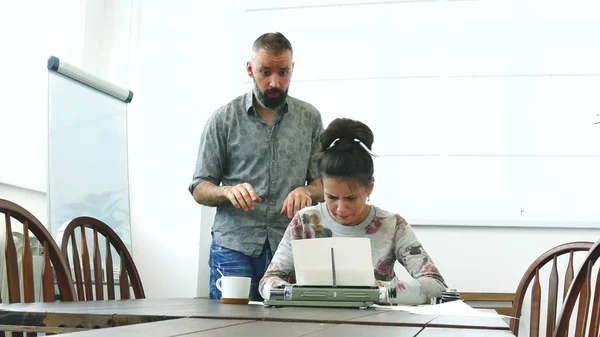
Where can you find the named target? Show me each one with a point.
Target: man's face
(271, 74)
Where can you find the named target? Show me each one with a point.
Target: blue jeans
(234, 263)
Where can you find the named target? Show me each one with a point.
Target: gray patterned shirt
(237, 146)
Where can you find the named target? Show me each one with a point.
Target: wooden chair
(582, 288)
(128, 271)
(53, 263)
(532, 274)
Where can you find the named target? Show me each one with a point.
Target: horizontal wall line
(409, 155)
(29, 187)
(384, 78)
(488, 155)
(266, 9)
(508, 223)
(528, 155)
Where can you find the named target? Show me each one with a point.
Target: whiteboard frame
(505, 223)
(84, 77)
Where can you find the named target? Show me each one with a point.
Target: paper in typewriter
(352, 256)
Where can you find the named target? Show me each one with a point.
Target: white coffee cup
(234, 289)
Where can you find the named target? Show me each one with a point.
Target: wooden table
(192, 327)
(204, 317)
(237, 328)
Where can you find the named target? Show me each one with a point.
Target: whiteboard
(87, 149)
(502, 191)
(483, 112)
(502, 151)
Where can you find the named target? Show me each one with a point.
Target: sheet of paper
(352, 257)
(454, 308)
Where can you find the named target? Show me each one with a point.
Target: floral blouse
(392, 239)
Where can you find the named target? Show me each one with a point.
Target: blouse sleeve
(281, 268)
(411, 254)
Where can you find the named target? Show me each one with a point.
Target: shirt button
(271, 203)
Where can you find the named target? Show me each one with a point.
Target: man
(256, 165)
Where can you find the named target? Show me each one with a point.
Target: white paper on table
(454, 308)
(353, 261)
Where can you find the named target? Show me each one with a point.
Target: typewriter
(334, 295)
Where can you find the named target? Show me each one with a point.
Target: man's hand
(242, 196)
(295, 201)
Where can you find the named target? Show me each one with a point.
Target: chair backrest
(127, 271)
(582, 288)
(533, 274)
(53, 263)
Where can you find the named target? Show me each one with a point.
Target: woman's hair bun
(345, 131)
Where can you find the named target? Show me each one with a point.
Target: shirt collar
(250, 108)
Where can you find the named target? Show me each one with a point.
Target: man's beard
(271, 103)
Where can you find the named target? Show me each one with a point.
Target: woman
(346, 168)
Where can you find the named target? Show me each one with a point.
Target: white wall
(189, 59)
(28, 38)
(32, 200)
(483, 259)
(185, 73)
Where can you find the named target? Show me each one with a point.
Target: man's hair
(275, 43)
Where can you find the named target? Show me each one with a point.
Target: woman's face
(346, 200)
